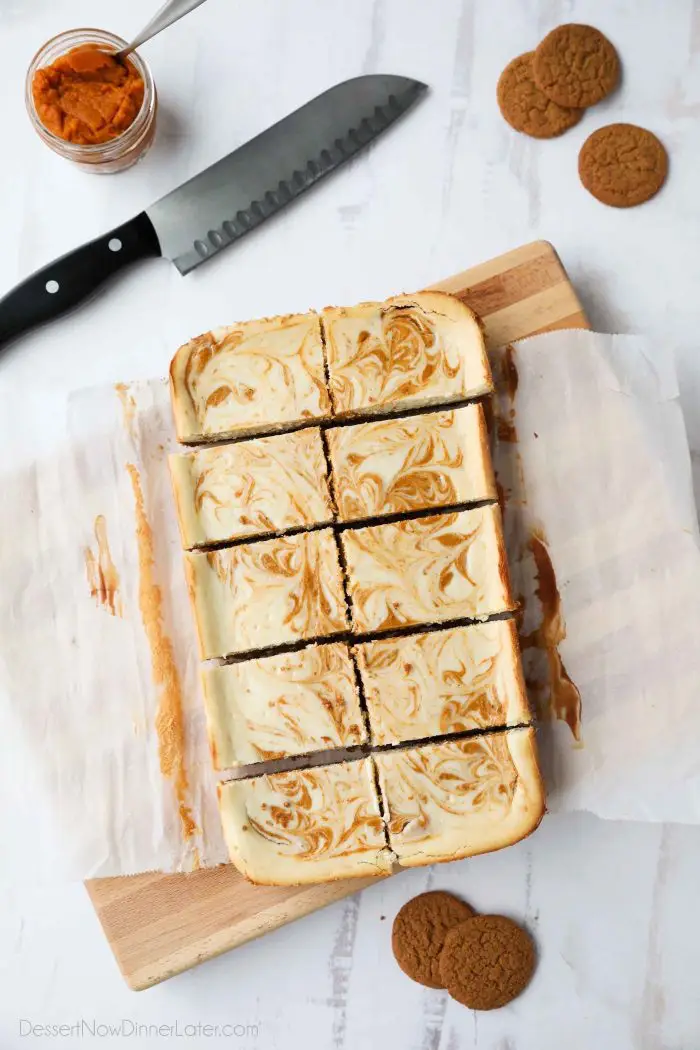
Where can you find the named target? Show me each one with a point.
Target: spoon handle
(170, 12)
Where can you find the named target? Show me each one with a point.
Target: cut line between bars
(338, 755)
(382, 415)
(345, 526)
(358, 638)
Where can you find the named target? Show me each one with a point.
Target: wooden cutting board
(159, 925)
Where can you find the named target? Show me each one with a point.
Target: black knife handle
(74, 277)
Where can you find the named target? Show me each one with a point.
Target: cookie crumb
(419, 932)
(623, 165)
(576, 65)
(526, 108)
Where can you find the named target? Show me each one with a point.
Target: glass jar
(105, 157)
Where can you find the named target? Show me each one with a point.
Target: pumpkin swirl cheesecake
(397, 466)
(455, 680)
(250, 378)
(257, 595)
(406, 353)
(279, 706)
(457, 798)
(344, 555)
(252, 488)
(306, 825)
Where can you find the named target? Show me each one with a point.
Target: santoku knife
(218, 206)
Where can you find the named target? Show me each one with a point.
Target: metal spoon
(170, 12)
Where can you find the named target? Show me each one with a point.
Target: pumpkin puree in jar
(88, 97)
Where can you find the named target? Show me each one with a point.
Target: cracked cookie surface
(623, 165)
(419, 931)
(575, 65)
(487, 961)
(526, 108)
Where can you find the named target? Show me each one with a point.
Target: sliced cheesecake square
(251, 488)
(408, 352)
(249, 378)
(272, 592)
(391, 466)
(446, 681)
(283, 705)
(427, 570)
(458, 798)
(307, 825)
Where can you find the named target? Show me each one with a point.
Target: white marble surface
(614, 907)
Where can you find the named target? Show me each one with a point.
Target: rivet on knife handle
(75, 277)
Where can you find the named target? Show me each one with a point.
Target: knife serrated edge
(273, 200)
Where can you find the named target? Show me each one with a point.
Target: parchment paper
(90, 662)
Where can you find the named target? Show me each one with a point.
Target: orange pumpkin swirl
(225, 383)
(458, 798)
(402, 465)
(266, 593)
(425, 570)
(305, 820)
(409, 351)
(306, 825)
(250, 488)
(447, 681)
(277, 706)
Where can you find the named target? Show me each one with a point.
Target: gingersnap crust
(526, 107)
(487, 961)
(419, 930)
(622, 165)
(575, 65)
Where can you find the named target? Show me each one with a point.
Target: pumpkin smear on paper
(102, 574)
(549, 685)
(564, 696)
(169, 717)
(128, 404)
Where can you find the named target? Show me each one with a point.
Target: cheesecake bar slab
(400, 465)
(251, 488)
(447, 681)
(249, 378)
(427, 570)
(283, 705)
(458, 798)
(268, 593)
(407, 352)
(305, 826)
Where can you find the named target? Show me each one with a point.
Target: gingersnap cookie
(622, 165)
(487, 961)
(526, 107)
(575, 65)
(419, 933)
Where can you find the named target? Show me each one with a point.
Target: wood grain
(159, 925)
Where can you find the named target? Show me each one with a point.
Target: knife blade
(224, 202)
